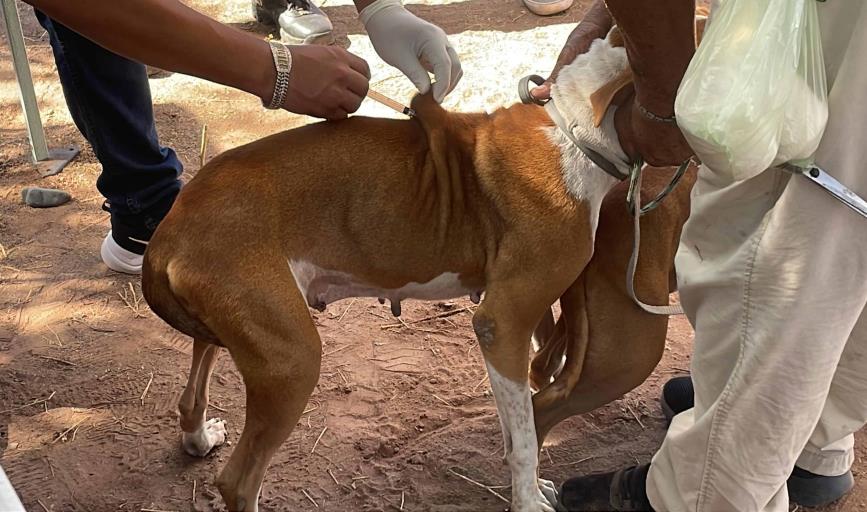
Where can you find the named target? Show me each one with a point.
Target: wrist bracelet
(283, 65)
(653, 117)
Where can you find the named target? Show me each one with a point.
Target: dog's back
(349, 195)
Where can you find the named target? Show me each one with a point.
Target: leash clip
(656, 201)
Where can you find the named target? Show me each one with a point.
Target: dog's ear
(602, 98)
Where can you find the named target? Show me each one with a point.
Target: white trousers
(773, 277)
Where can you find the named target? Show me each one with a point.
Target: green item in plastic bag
(754, 95)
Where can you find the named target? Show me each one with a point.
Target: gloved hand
(411, 45)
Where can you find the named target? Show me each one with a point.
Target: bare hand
(595, 25)
(326, 81)
(575, 46)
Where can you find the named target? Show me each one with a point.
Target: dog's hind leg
(275, 346)
(200, 435)
(544, 331)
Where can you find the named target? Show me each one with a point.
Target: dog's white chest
(321, 286)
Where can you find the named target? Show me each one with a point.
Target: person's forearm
(171, 36)
(660, 42)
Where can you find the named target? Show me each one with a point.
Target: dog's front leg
(504, 335)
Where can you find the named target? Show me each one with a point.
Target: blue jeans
(110, 101)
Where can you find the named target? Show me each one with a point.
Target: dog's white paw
(211, 434)
(538, 505)
(544, 500)
(550, 492)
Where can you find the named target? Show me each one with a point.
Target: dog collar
(603, 163)
(633, 196)
(595, 156)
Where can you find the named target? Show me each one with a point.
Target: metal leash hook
(656, 201)
(830, 185)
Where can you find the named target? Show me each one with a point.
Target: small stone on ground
(38, 197)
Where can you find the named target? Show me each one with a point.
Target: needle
(390, 103)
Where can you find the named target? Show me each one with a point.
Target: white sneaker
(119, 259)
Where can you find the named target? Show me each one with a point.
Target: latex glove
(411, 44)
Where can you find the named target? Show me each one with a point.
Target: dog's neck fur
(571, 95)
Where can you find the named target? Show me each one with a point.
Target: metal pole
(47, 161)
(25, 82)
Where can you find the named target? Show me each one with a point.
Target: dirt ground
(89, 377)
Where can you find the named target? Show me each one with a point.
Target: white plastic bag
(754, 95)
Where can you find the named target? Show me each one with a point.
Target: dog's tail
(160, 283)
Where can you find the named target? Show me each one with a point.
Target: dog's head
(585, 89)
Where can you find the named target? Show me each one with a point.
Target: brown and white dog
(431, 208)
